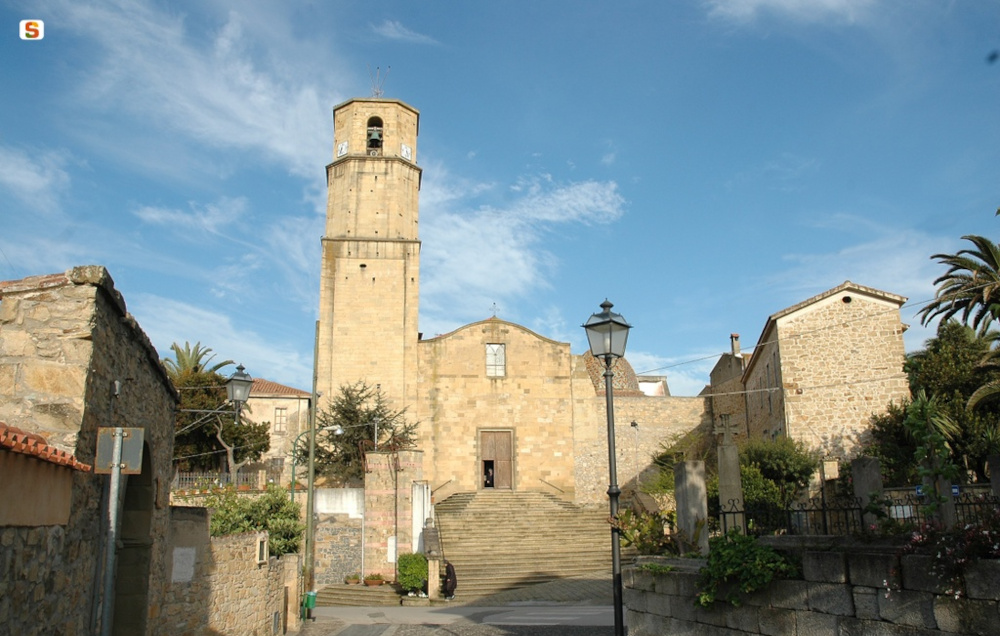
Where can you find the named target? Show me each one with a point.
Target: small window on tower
(496, 360)
(375, 136)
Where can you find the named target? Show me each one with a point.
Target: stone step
(359, 595)
(504, 540)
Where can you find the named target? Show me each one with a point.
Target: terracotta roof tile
(18, 441)
(266, 387)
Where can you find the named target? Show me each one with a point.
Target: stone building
(286, 409)
(823, 366)
(73, 360)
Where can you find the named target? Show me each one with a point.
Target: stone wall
(659, 420)
(842, 593)
(219, 586)
(73, 360)
(389, 508)
(532, 400)
(338, 548)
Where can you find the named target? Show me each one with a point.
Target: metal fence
(846, 515)
(207, 481)
(812, 516)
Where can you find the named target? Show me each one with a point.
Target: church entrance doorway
(496, 462)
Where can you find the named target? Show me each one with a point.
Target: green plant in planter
(412, 571)
(352, 578)
(737, 563)
(374, 577)
(645, 531)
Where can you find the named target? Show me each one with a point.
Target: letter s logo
(32, 29)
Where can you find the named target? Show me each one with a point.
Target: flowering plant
(953, 550)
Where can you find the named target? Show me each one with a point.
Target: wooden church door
(497, 453)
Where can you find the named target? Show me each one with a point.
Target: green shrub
(272, 511)
(737, 563)
(412, 571)
(645, 531)
(784, 461)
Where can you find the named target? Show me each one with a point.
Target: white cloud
(217, 90)
(892, 259)
(166, 321)
(473, 258)
(37, 178)
(394, 30)
(213, 217)
(801, 10)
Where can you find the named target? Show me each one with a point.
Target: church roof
(624, 382)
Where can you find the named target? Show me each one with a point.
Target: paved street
(571, 607)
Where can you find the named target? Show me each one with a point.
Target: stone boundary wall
(217, 585)
(842, 593)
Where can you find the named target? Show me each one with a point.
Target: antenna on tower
(378, 80)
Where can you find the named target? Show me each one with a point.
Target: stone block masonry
(837, 596)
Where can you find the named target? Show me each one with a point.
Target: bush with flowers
(954, 549)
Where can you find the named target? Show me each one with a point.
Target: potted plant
(374, 579)
(352, 579)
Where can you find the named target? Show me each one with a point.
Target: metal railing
(838, 516)
(209, 480)
(846, 515)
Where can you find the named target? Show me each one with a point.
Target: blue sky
(701, 163)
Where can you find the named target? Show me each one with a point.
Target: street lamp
(339, 430)
(607, 333)
(238, 389)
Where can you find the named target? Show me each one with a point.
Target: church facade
(500, 406)
(491, 397)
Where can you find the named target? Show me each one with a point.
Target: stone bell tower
(370, 275)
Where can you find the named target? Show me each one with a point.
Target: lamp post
(607, 333)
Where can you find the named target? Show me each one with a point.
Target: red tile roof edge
(268, 387)
(34, 445)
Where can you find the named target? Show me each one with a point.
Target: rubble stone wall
(73, 360)
(338, 548)
(220, 585)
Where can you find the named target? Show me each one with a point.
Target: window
(280, 419)
(496, 360)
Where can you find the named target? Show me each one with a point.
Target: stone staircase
(358, 595)
(503, 540)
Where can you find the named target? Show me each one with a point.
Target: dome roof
(623, 382)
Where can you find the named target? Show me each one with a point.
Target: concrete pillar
(867, 478)
(730, 488)
(692, 506)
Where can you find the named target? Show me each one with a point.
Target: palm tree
(971, 286)
(191, 360)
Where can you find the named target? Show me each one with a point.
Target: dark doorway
(132, 580)
(497, 455)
